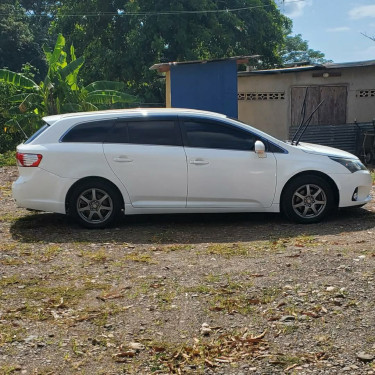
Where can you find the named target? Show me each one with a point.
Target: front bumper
(348, 184)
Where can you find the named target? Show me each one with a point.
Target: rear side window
(91, 132)
(207, 134)
(119, 133)
(37, 133)
(150, 132)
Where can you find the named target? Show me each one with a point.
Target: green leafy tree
(297, 50)
(17, 45)
(59, 92)
(122, 39)
(8, 139)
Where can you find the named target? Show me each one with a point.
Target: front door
(223, 169)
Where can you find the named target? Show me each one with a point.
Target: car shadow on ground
(186, 228)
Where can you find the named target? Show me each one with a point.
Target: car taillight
(28, 160)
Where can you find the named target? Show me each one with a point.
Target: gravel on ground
(217, 294)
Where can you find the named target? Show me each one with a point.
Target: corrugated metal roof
(297, 69)
(165, 67)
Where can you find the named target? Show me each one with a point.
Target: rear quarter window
(37, 133)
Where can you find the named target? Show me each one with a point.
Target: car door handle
(123, 159)
(199, 162)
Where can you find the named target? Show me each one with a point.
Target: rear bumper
(38, 189)
(348, 184)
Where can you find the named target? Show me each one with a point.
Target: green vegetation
(229, 250)
(59, 92)
(297, 50)
(119, 41)
(8, 159)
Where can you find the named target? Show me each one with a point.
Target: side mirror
(260, 149)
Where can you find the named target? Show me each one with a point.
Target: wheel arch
(91, 178)
(331, 182)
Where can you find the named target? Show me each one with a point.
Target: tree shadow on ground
(186, 228)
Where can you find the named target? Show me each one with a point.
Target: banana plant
(59, 92)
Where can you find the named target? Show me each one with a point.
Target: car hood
(312, 148)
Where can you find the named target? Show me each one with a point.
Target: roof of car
(134, 111)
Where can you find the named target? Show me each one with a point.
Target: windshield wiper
(302, 115)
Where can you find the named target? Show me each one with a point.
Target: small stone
(365, 357)
(330, 289)
(30, 338)
(205, 329)
(287, 318)
(136, 346)
(95, 341)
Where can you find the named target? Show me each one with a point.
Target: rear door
(148, 157)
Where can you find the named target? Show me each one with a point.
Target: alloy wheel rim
(309, 201)
(94, 205)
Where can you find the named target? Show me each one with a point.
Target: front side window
(209, 134)
(89, 132)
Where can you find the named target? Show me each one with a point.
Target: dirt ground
(186, 294)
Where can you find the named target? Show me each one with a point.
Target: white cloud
(294, 8)
(338, 29)
(362, 12)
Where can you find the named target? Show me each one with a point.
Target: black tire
(307, 199)
(95, 204)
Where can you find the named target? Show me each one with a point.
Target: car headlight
(353, 165)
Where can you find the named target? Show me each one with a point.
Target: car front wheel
(95, 204)
(307, 199)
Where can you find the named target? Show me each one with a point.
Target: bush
(9, 141)
(8, 159)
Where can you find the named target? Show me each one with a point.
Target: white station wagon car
(96, 165)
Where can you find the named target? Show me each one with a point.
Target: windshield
(37, 133)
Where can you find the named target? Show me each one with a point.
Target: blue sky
(334, 26)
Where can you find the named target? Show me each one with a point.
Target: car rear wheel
(307, 199)
(95, 204)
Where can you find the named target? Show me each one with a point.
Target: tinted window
(119, 133)
(37, 133)
(214, 135)
(94, 131)
(150, 132)
(275, 149)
